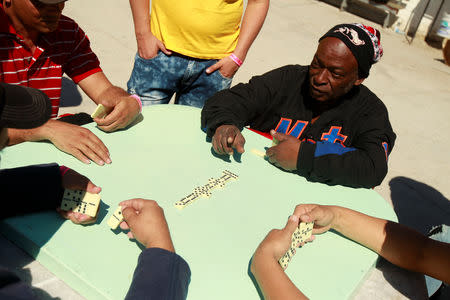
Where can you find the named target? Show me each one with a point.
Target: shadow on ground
(17, 261)
(418, 205)
(421, 207)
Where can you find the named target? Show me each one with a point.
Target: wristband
(138, 101)
(63, 170)
(236, 59)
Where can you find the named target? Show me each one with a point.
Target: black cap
(23, 107)
(363, 41)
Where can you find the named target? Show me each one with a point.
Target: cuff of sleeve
(78, 78)
(305, 158)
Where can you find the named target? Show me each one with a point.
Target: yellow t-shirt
(206, 29)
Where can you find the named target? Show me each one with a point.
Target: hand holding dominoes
(146, 222)
(76, 203)
(81, 199)
(300, 236)
(274, 246)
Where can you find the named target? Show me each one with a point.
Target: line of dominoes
(205, 190)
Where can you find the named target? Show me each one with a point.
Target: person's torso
(341, 124)
(197, 28)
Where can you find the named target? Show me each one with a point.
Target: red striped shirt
(65, 50)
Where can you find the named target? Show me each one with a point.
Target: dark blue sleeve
(160, 274)
(30, 189)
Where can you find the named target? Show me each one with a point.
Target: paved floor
(410, 79)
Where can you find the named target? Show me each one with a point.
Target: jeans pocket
(223, 76)
(148, 59)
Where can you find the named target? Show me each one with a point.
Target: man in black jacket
(329, 127)
(160, 272)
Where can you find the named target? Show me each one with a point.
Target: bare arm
(397, 243)
(272, 280)
(72, 139)
(253, 19)
(124, 109)
(148, 45)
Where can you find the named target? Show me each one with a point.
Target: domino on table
(205, 191)
(100, 112)
(301, 234)
(116, 218)
(258, 152)
(80, 201)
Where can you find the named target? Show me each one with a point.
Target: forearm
(141, 17)
(397, 243)
(272, 280)
(253, 19)
(17, 136)
(99, 88)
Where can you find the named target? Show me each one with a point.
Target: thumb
(277, 135)
(129, 215)
(92, 188)
(163, 48)
(291, 224)
(316, 215)
(213, 68)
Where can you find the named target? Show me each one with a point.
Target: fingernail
(87, 161)
(108, 161)
(101, 162)
(207, 70)
(294, 218)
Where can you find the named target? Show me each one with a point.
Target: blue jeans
(155, 80)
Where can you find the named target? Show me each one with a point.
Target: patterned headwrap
(363, 41)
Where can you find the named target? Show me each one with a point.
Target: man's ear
(359, 81)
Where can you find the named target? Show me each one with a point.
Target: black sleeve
(364, 164)
(30, 189)
(244, 103)
(160, 274)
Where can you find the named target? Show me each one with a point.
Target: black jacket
(349, 144)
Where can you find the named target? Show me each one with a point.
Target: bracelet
(236, 59)
(63, 170)
(138, 101)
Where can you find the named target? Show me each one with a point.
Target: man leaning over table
(160, 272)
(330, 127)
(191, 48)
(37, 46)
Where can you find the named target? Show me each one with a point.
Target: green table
(164, 157)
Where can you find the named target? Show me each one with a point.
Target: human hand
(77, 141)
(285, 153)
(122, 113)
(147, 224)
(276, 243)
(149, 45)
(323, 216)
(75, 181)
(226, 66)
(226, 138)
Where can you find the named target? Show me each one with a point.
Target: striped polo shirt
(65, 50)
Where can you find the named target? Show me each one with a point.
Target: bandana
(363, 41)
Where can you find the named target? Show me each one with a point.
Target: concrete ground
(410, 79)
